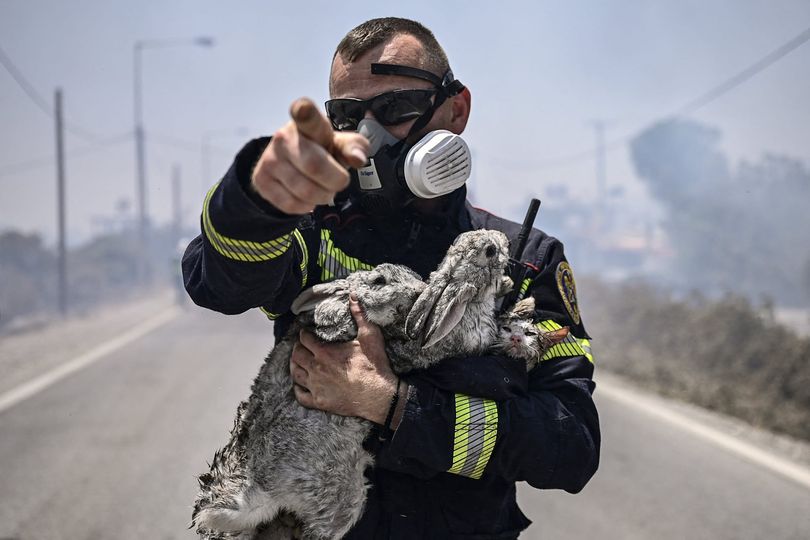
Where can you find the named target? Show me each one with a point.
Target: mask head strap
(406, 71)
(447, 86)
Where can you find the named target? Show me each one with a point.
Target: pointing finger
(351, 149)
(311, 123)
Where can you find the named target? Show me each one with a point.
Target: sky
(540, 74)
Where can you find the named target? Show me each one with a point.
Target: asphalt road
(111, 452)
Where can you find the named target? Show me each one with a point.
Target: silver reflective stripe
(476, 430)
(475, 436)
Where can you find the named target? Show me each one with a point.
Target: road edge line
(777, 464)
(36, 385)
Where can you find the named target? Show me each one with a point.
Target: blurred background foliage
(101, 270)
(725, 354)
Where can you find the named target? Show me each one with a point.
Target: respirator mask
(399, 171)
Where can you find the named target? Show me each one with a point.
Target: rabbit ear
(438, 318)
(446, 315)
(523, 309)
(556, 336)
(418, 315)
(309, 299)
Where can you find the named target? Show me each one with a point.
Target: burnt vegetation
(725, 354)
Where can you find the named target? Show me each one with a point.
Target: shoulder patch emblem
(568, 290)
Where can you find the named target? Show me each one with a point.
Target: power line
(172, 141)
(100, 146)
(746, 74)
(153, 137)
(23, 83)
(38, 100)
(692, 106)
(38, 163)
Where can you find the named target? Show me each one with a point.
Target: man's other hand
(350, 379)
(306, 162)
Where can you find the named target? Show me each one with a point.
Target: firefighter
(328, 195)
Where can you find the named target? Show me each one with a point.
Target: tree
(27, 273)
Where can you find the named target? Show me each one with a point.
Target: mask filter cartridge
(437, 165)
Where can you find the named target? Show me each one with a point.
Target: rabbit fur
(285, 459)
(284, 456)
(519, 337)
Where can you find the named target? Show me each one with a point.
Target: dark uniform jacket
(472, 427)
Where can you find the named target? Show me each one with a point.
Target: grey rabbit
(283, 459)
(260, 468)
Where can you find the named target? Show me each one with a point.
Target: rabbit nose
(490, 251)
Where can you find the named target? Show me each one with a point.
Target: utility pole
(601, 181)
(60, 205)
(177, 211)
(144, 262)
(140, 168)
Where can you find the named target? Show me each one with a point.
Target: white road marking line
(779, 465)
(38, 384)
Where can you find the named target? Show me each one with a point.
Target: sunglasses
(389, 108)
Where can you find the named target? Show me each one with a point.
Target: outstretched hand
(350, 379)
(305, 163)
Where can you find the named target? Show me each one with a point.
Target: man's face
(354, 80)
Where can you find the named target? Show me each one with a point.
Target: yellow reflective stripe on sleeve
(304, 256)
(476, 431)
(304, 263)
(461, 433)
(570, 346)
(548, 326)
(586, 346)
(561, 350)
(242, 250)
(270, 315)
(334, 263)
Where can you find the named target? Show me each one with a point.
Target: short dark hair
(374, 32)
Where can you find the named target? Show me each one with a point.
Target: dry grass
(724, 355)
